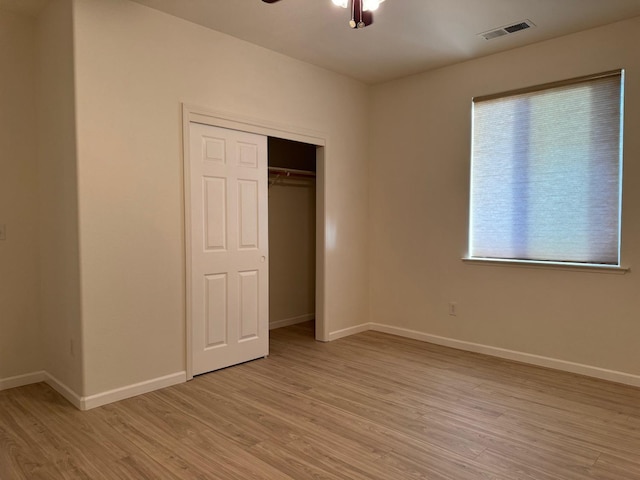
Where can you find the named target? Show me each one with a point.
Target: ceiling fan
(361, 10)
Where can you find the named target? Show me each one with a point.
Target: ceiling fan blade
(270, 1)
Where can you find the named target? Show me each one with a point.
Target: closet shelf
(291, 172)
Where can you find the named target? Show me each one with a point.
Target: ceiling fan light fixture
(361, 10)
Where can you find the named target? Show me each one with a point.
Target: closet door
(229, 277)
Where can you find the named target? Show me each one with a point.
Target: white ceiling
(408, 36)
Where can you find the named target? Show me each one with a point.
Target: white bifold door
(229, 276)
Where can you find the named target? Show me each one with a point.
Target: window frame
(533, 263)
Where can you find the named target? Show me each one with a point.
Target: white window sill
(576, 267)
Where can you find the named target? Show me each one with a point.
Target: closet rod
(291, 171)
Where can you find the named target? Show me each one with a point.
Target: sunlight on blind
(546, 174)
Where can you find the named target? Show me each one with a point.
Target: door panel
(249, 304)
(216, 313)
(247, 155)
(215, 207)
(228, 239)
(248, 209)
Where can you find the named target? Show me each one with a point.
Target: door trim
(197, 114)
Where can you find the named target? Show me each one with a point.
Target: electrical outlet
(3, 232)
(453, 309)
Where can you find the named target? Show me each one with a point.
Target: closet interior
(292, 232)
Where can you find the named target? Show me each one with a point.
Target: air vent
(506, 30)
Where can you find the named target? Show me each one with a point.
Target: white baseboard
(93, 401)
(65, 391)
(531, 359)
(129, 391)
(349, 331)
(22, 380)
(556, 364)
(42, 376)
(291, 321)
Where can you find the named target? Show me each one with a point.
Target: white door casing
(229, 276)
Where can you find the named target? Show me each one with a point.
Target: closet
(292, 232)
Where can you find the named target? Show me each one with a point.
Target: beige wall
(20, 348)
(134, 67)
(110, 226)
(60, 283)
(419, 213)
(292, 253)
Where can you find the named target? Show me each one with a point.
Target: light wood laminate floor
(370, 406)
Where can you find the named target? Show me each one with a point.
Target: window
(546, 173)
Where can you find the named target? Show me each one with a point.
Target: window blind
(546, 173)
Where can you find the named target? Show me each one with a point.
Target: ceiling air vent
(506, 30)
